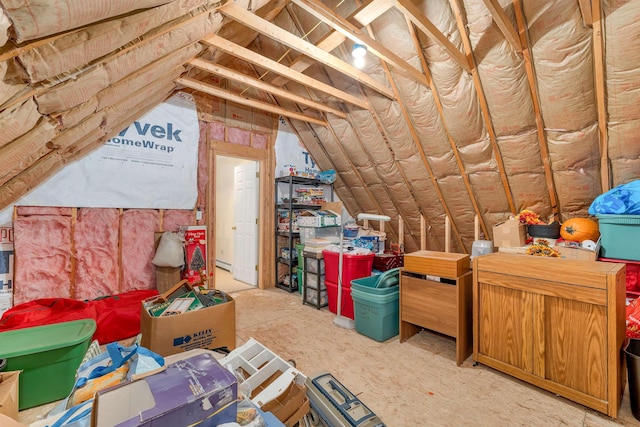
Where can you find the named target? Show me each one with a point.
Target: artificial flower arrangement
(529, 217)
(542, 248)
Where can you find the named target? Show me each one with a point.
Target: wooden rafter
(261, 85)
(542, 139)
(458, 9)
(264, 62)
(420, 21)
(599, 67)
(350, 31)
(286, 38)
(502, 21)
(333, 39)
(452, 143)
(589, 15)
(243, 100)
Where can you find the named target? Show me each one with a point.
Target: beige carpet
(416, 383)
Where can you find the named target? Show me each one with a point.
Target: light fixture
(359, 50)
(358, 53)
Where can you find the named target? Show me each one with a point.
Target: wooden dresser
(435, 294)
(558, 324)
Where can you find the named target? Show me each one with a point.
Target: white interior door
(245, 256)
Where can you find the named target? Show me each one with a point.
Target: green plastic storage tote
(377, 316)
(48, 357)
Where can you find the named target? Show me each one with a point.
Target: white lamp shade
(359, 50)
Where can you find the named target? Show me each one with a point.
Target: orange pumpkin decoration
(580, 229)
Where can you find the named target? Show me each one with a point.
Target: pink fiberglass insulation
(175, 218)
(43, 210)
(96, 239)
(43, 266)
(138, 228)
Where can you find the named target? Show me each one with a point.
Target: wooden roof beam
(260, 85)
(363, 16)
(531, 77)
(344, 27)
(589, 14)
(264, 62)
(420, 21)
(458, 9)
(504, 23)
(286, 38)
(599, 68)
(239, 99)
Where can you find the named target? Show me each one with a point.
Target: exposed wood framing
(259, 84)
(239, 99)
(73, 254)
(423, 233)
(350, 31)
(273, 31)
(261, 61)
(458, 9)
(413, 135)
(420, 21)
(589, 15)
(454, 147)
(599, 69)
(265, 219)
(363, 16)
(531, 77)
(502, 21)
(210, 219)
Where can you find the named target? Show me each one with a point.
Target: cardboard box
(433, 263)
(578, 253)
(209, 327)
(509, 234)
(286, 406)
(9, 394)
(195, 389)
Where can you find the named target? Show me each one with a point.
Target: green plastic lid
(38, 339)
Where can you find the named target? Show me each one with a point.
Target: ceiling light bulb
(359, 62)
(359, 50)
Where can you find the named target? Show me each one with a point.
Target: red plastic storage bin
(353, 267)
(346, 309)
(632, 275)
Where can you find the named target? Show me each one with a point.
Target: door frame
(266, 161)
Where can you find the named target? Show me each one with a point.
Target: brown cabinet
(433, 296)
(558, 324)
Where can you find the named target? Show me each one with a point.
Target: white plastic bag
(170, 251)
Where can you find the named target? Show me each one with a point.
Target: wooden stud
(599, 68)
(423, 233)
(210, 212)
(542, 139)
(447, 234)
(458, 9)
(73, 255)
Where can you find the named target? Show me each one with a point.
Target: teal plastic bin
(48, 357)
(376, 305)
(619, 235)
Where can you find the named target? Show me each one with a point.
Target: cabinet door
(505, 319)
(575, 345)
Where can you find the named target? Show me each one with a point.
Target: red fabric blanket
(117, 317)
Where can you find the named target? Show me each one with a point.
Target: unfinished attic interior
(444, 122)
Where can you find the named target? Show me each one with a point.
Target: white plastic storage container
(332, 234)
